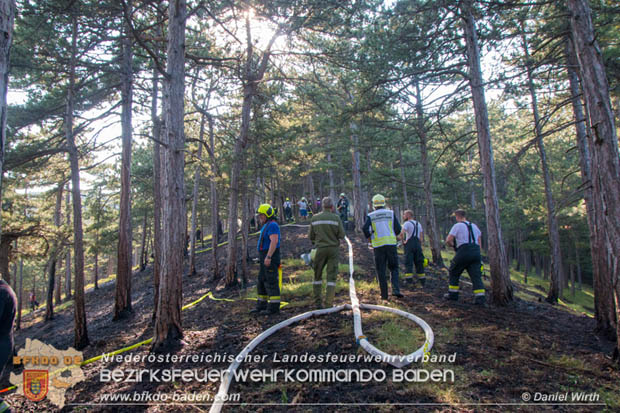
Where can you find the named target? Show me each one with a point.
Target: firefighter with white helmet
(381, 228)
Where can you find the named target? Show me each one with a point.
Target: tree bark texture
(122, 296)
(603, 144)
(501, 285)
(168, 328)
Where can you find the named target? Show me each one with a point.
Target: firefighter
(288, 210)
(381, 228)
(325, 233)
(413, 237)
(8, 307)
(268, 286)
(465, 238)
(343, 208)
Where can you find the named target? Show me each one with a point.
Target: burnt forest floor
(502, 353)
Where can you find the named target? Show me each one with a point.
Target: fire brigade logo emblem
(35, 384)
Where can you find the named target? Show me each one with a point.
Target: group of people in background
(307, 208)
(384, 233)
(382, 229)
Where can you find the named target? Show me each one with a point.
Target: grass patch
(611, 397)
(582, 302)
(393, 335)
(447, 335)
(567, 362)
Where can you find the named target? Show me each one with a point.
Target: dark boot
(451, 296)
(272, 308)
(480, 300)
(260, 306)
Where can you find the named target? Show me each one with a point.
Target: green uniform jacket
(326, 230)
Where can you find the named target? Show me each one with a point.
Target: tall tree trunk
(214, 201)
(96, 262)
(58, 283)
(7, 18)
(403, 181)
(122, 292)
(603, 294)
(143, 245)
(14, 279)
(168, 329)
(528, 264)
(157, 208)
(192, 254)
(20, 295)
(330, 173)
(81, 333)
(358, 207)
(68, 253)
(552, 222)
(244, 237)
(214, 220)
(51, 268)
(312, 200)
(603, 143)
(501, 286)
(431, 220)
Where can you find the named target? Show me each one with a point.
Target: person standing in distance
(288, 210)
(268, 287)
(381, 228)
(303, 208)
(343, 208)
(325, 233)
(465, 237)
(413, 237)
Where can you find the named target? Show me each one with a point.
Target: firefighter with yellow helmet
(268, 287)
(381, 228)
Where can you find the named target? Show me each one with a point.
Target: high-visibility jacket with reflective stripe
(382, 223)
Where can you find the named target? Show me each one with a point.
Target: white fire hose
(396, 361)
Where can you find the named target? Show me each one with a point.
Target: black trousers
(387, 254)
(6, 351)
(268, 287)
(467, 258)
(414, 255)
